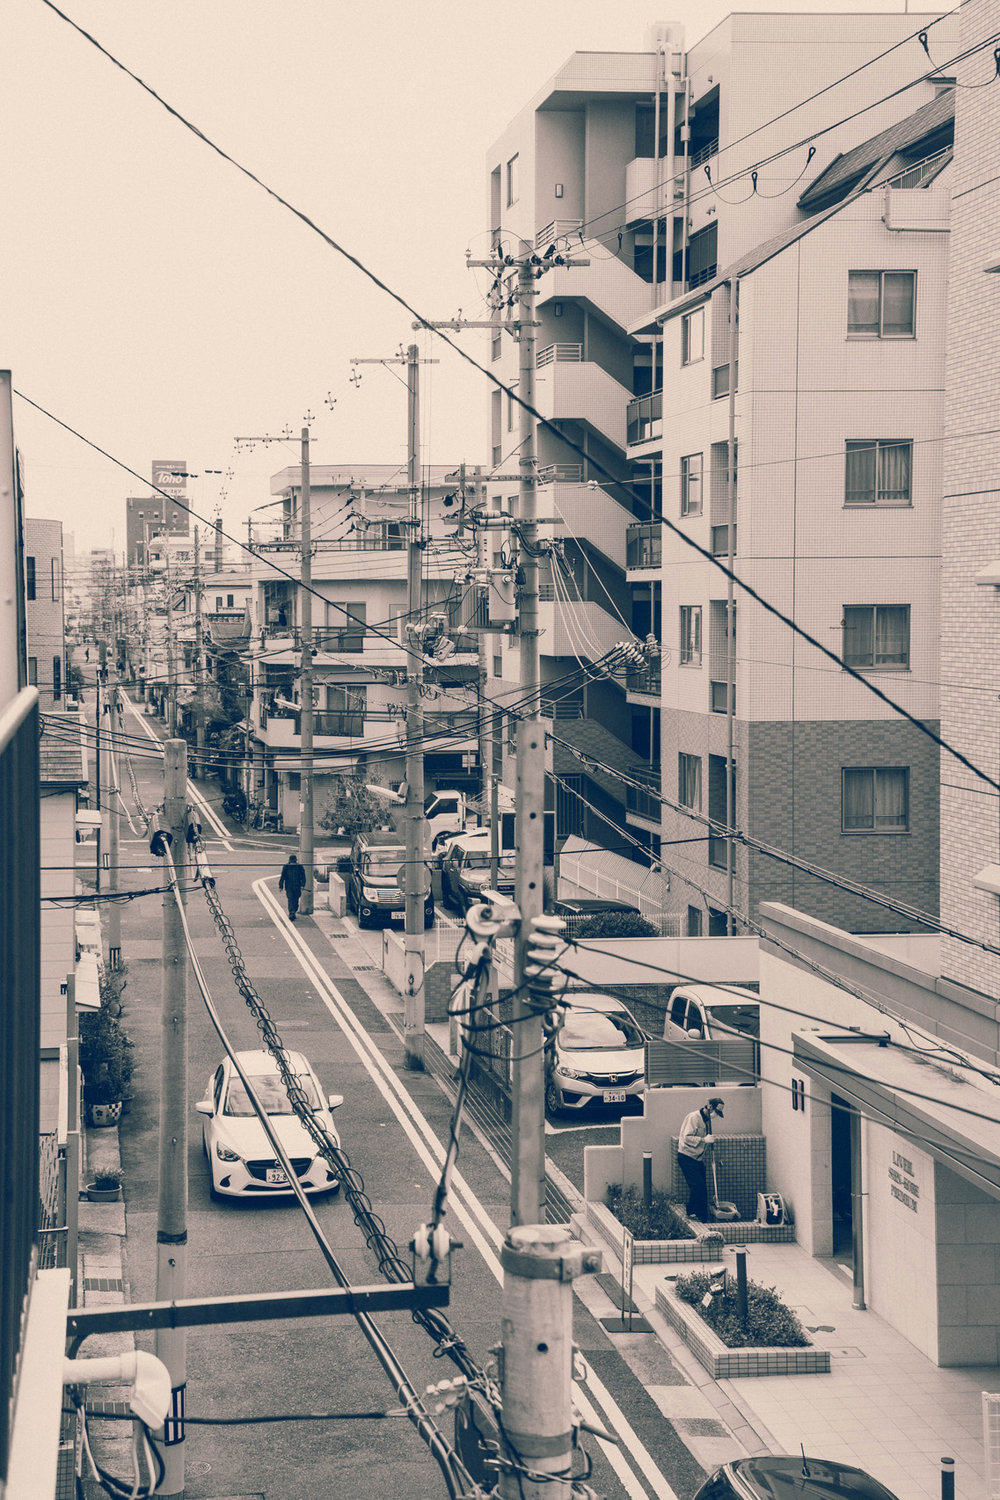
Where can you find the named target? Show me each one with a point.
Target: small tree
(353, 808)
(615, 924)
(105, 1050)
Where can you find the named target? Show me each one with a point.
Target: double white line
(599, 1407)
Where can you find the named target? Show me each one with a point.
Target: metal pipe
(857, 1221)
(416, 871)
(306, 706)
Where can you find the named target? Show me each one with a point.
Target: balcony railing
(337, 638)
(645, 418)
(699, 278)
(560, 474)
(561, 708)
(645, 680)
(704, 154)
(645, 804)
(644, 545)
(553, 353)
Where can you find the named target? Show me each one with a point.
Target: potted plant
(105, 1054)
(106, 1186)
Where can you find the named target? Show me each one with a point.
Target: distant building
(150, 515)
(44, 606)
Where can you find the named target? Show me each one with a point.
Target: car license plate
(277, 1176)
(614, 1096)
(397, 916)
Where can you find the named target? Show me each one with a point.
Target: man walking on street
(695, 1135)
(292, 882)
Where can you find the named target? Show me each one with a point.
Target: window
(691, 473)
(29, 578)
(718, 845)
(720, 541)
(877, 635)
(498, 666)
(694, 921)
(33, 670)
(345, 626)
(878, 471)
(512, 181)
(218, 602)
(229, 601)
(690, 635)
(57, 678)
(689, 781)
(881, 304)
(702, 256)
(875, 799)
(693, 337)
(54, 577)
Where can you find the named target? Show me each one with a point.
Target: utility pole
(199, 664)
(417, 874)
(171, 1229)
(527, 1046)
(97, 761)
(306, 719)
(114, 822)
(171, 716)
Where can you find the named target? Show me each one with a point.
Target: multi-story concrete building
(642, 162)
(43, 592)
(362, 636)
(834, 422)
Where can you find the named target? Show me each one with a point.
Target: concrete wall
(901, 1253)
(968, 1272)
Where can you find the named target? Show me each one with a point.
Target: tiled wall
(968, 1272)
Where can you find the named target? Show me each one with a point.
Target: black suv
(373, 886)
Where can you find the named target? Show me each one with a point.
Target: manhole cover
(848, 1353)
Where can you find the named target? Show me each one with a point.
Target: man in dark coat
(695, 1134)
(292, 882)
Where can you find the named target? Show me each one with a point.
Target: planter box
(707, 1247)
(723, 1363)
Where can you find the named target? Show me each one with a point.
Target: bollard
(647, 1178)
(741, 1284)
(947, 1479)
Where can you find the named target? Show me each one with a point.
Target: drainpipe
(857, 1206)
(734, 297)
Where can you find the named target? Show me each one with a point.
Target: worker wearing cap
(695, 1135)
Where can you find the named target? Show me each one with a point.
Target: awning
(954, 1119)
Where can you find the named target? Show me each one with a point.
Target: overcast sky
(161, 304)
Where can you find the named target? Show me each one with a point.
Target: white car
(598, 1057)
(241, 1159)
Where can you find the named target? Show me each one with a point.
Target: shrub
(770, 1324)
(106, 1178)
(660, 1221)
(105, 1050)
(615, 924)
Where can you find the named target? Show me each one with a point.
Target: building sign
(901, 1183)
(170, 474)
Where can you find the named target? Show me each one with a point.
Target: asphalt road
(323, 1368)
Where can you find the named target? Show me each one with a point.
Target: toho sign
(170, 474)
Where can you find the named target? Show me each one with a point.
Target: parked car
(466, 871)
(374, 890)
(713, 1013)
(781, 1477)
(241, 1159)
(598, 1055)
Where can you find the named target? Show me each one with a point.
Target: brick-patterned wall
(970, 614)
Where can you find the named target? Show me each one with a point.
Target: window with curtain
(881, 304)
(689, 781)
(875, 799)
(691, 483)
(693, 336)
(876, 635)
(878, 471)
(690, 635)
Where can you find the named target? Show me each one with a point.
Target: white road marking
(464, 1203)
(196, 796)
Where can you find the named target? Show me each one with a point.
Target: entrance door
(840, 1175)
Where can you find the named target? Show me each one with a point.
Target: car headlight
(568, 1072)
(224, 1153)
(369, 894)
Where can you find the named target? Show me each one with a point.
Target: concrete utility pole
(527, 1049)
(199, 664)
(97, 762)
(417, 874)
(306, 706)
(171, 1230)
(171, 717)
(114, 821)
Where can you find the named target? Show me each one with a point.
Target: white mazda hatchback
(242, 1161)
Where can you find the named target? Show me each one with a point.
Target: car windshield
(739, 1017)
(383, 864)
(481, 861)
(271, 1093)
(596, 1031)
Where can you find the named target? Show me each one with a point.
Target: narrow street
(392, 1124)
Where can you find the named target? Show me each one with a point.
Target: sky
(159, 303)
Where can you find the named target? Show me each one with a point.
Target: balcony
(644, 418)
(928, 208)
(643, 804)
(284, 731)
(571, 389)
(644, 545)
(645, 681)
(580, 628)
(649, 192)
(559, 229)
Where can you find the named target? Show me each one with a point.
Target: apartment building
(43, 592)
(362, 634)
(834, 420)
(640, 162)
